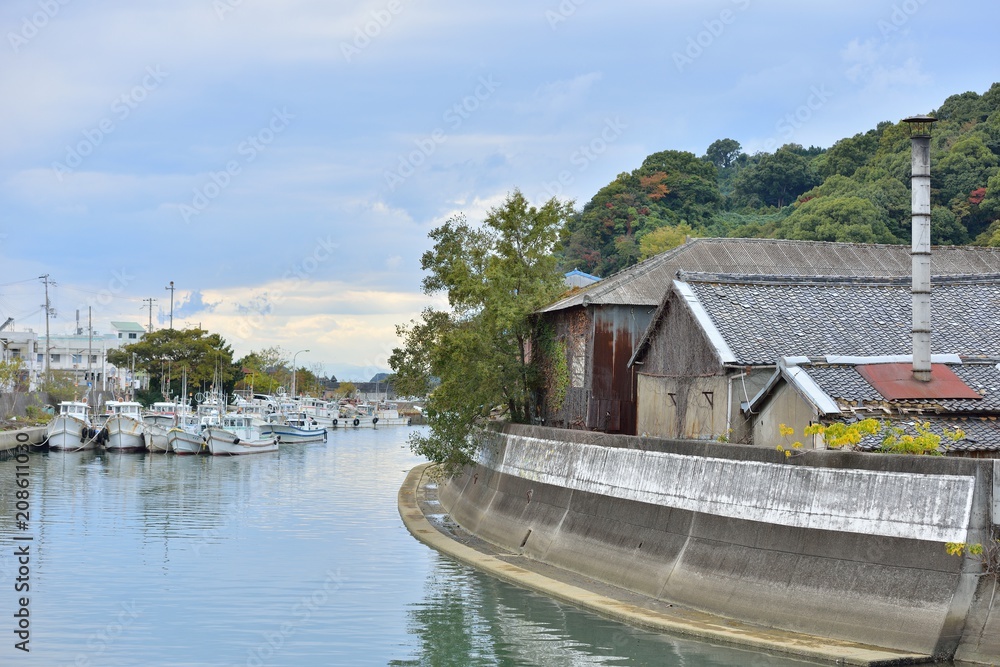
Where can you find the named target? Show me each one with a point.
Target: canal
(288, 559)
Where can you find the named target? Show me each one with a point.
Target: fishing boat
(125, 428)
(72, 429)
(188, 437)
(159, 419)
(294, 428)
(238, 434)
(367, 415)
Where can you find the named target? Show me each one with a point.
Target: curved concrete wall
(832, 544)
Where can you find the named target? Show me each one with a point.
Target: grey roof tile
(980, 434)
(763, 319)
(647, 282)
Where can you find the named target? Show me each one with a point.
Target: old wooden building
(602, 325)
(711, 364)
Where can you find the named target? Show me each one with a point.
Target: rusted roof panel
(896, 383)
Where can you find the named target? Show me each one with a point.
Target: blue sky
(283, 161)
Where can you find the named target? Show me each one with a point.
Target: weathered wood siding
(683, 388)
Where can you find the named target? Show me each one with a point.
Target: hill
(856, 191)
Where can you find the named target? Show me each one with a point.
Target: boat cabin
(73, 409)
(124, 408)
(232, 421)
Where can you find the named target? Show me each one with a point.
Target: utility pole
(90, 352)
(48, 311)
(151, 301)
(171, 288)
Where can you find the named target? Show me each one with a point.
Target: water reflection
(158, 559)
(467, 618)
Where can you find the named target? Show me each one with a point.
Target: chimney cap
(920, 126)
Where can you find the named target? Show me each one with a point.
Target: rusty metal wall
(612, 405)
(599, 342)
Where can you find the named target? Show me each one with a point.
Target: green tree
(345, 390)
(776, 180)
(663, 239)
(848, 155)
(206, 357)
(13, 380)
(670, 188)
(61, 386)
(264, 371)
(496, 276)
(845, 219)
(723, 153)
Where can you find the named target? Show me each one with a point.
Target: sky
(281, 162)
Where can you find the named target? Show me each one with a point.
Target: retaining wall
(833, 544)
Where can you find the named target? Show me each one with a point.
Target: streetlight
(293, 370)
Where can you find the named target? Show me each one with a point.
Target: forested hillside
(857, 190)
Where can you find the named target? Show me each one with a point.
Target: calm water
(293, 558)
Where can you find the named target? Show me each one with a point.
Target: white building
(84, 355)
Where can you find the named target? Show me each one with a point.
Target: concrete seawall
(842, 545)
(12, 440)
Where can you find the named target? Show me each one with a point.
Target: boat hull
(157, 438)
(225, 443)
(291, 435)
(364, 421)
(69, 433)
(184, 442)
(125, 434)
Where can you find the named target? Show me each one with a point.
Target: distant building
(128, 332)
(83, 355)
(577, 278)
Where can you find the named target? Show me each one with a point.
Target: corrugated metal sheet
(896, 383)
(647, 282)
(612, 400)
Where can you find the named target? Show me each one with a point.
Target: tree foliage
(864, 180)
(669, 189)
(205, 357)
(495, 276)
(776, 179)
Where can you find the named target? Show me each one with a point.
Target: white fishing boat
(158, 438)
(72, 429)
(186, 438)
(159, 419)
(295, 428)
(388, 415)
(366, 415)
(238, 434)
(125, 428)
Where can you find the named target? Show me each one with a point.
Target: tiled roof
(646, 283)
(981, 434)
(763, 318)
(857, 399)
(847, 387)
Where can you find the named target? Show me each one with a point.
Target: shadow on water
(467, 618)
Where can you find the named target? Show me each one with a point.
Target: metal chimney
(920, 249)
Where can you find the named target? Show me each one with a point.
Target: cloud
(881, 67)
(559, 96)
